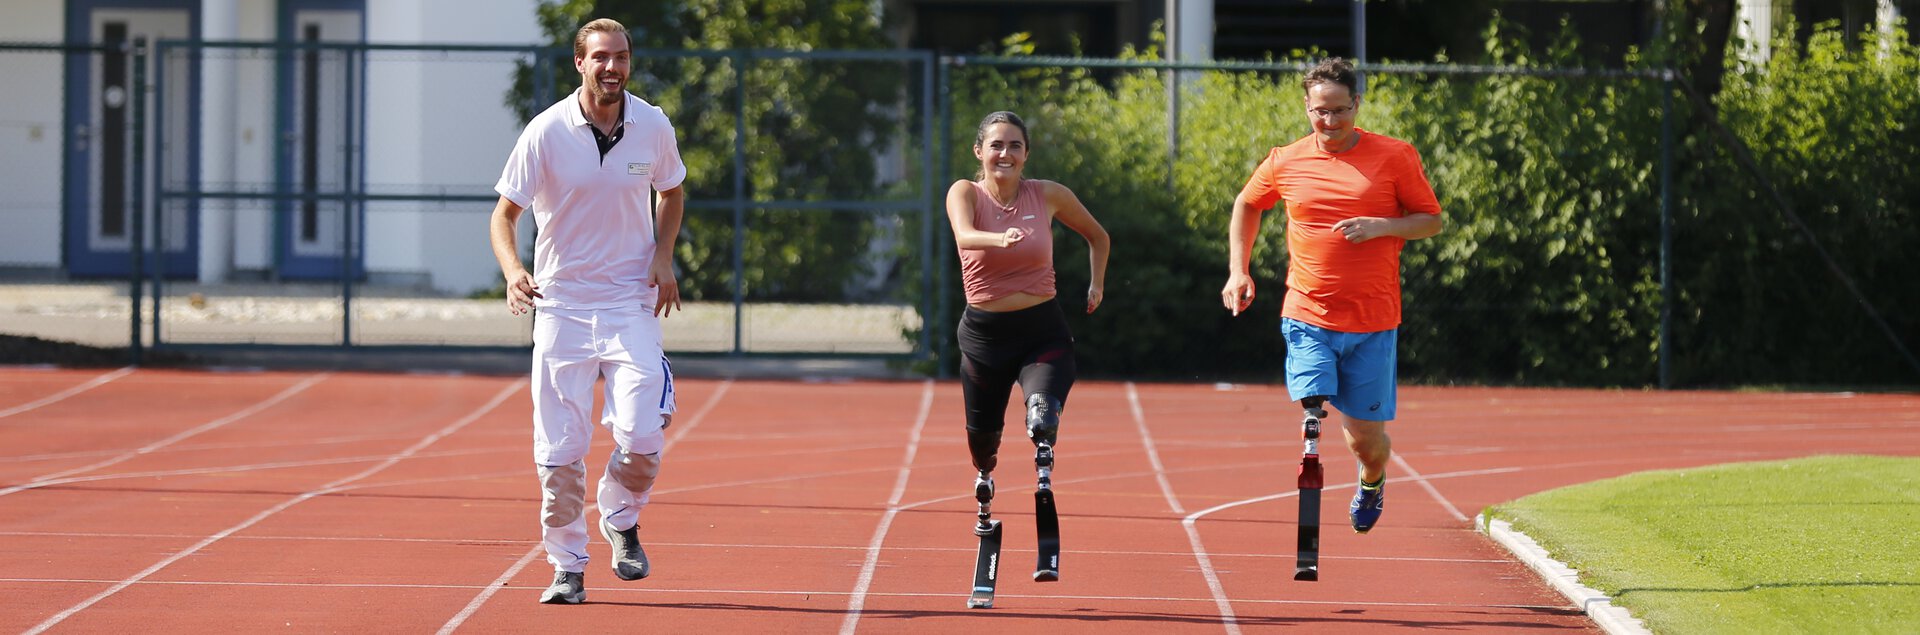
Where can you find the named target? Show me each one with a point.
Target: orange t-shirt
(1333, 283)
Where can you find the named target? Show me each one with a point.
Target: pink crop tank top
(1026, 267)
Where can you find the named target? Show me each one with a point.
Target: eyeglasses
(1331, 112)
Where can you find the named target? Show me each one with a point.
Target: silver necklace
(1005, 208)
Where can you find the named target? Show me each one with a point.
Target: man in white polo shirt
(602, 278)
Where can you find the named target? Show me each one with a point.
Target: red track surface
(172, 502)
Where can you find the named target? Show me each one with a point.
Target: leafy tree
(815, 129)
(1549, 270)
(1543, 275)
(1697, 36)
(1833, 130)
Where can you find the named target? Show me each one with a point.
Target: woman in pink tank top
(1013, 330)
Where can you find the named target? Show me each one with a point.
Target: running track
(164, 501)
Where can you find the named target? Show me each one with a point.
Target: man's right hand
(1238, 294)
(521, 291)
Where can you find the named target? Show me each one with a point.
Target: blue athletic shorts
(1356, 370)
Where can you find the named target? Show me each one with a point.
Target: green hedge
(1548, 271)
(1837, 132)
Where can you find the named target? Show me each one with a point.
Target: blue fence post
(929, 213)
(938, 291)
(739, 60)
(138, 246)
(347, 202)
(157, 275)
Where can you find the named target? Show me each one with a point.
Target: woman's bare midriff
(1014, 302)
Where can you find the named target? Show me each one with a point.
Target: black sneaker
(629, 560)
(568, 588)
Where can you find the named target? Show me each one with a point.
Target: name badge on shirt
(639, 169)
(1027, 217)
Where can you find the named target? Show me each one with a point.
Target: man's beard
(603, 96)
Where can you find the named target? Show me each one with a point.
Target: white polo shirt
(595, 240)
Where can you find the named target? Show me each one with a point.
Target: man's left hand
(661, 276)
(1361, 229)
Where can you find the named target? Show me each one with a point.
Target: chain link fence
(336, 195)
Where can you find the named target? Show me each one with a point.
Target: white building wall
(253, 138)
(1885, 13)
(395, 103)
(438, 123)
(219, 89)
(435, 124)
(32, 20)
(31, 121)
(1754, 21)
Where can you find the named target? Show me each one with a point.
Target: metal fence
(342, 190)
(59, 206)
(1566, 192)
(335, 195)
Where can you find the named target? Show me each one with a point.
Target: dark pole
(138, 247)
(929, 197)
(739, 195)
(1666, 229)
(939, 291)
(1360, 40)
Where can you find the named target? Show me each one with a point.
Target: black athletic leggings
(1031, 346)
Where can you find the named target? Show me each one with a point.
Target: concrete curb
(1612, 619)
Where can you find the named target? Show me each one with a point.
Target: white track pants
(571, 350)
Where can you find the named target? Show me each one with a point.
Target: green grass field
(1827, 544)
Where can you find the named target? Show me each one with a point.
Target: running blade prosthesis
(1307, 564)
(986, 566)
(1046, 518)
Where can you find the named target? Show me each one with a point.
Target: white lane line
(1221, 603)
(1217, 468)
(392, 460)
(1206, 564)
(723, 545)
(1153, 453)
(656, 493)
(766, 481)
(435, 480)
(1193, 536)
(698, 416)
(487, 593)
(803, 592)
(1279, 495)
(1422, 480)
(857, 600)
(1001, 491)
(56, 397)
(248, 411)
(808, 451)
(254, 467)
(201, 447)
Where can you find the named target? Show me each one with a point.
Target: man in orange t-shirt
(1354, 199)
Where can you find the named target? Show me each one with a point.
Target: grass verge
(1818, 544)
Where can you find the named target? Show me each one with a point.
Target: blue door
(318, 231)
(100, 172)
